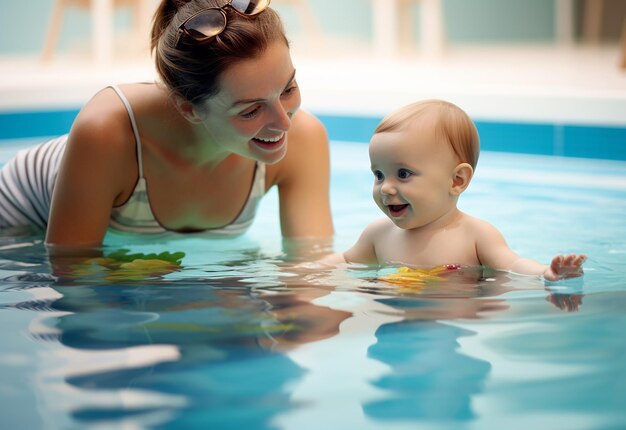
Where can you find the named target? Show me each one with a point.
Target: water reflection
(228, 337)
(197, 347)
(429, 378)
(249, 343)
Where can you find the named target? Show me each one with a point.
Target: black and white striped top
(26, 184)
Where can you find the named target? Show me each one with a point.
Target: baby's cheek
(376, 195)
(378, 201)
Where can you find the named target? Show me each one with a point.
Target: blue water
(234, 337)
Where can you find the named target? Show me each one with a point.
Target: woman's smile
(270, 144)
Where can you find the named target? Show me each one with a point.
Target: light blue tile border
(19, 125)
(585, 141)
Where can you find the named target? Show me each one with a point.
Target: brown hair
(453, 125)
(192, 69)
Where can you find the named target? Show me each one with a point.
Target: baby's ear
(461, 178)
(188, 110)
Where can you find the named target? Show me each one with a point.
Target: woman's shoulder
(307, 130)
(105, 120)
(103, 117)
(308, 138)
(102, 131)
(306, 119)
(307, 151)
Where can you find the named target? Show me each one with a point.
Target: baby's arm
(565, 266)
(363, 251)
(494, 252)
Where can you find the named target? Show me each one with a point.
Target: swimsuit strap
(133, 124)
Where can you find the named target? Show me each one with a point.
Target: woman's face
(251, 113)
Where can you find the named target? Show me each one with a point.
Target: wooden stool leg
(623, 55)
(144, 18)
(385, 16)
(102, 31)
(405, 25)
(432, 28)
(307, 18)
(142, 11)
(592, 21)
(54, 29)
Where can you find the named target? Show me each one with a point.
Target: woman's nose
(282, 117)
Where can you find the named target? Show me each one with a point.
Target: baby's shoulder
(478, 226)
(380, 226)
(472, 223)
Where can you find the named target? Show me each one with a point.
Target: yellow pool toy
(418, 279)
(122, 266)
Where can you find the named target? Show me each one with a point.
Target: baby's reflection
(430, 378)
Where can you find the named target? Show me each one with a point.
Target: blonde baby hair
(453, 125)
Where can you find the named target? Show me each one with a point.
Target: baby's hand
(565, 266)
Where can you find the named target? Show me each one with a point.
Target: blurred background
(348, 24)
(553, 63)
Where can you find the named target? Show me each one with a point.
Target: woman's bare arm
(303, 179)
(98, 162)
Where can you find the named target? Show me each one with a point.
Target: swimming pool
(234, 338)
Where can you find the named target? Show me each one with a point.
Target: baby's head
(423, 157)
(452, 126)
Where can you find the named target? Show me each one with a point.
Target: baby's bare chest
(428, 250)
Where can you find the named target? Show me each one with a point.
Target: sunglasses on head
(210, 22)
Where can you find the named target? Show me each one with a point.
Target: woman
(193, 153)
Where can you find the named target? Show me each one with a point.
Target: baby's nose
(387, 188)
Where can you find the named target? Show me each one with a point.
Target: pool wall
(570, 140)
(586, 141)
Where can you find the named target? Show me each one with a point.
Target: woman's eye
(249, 113)
(378, 175)
(290, 90)
(404, 173)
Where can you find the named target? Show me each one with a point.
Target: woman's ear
(461, 178)
(188, 110)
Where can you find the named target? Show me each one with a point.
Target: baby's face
(413, 174)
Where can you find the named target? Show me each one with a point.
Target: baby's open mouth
(397, 209)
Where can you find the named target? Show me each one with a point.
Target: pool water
(227, 334)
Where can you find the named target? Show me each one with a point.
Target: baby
(423, 157)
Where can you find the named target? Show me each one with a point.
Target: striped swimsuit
(27, 181)
(26, 184)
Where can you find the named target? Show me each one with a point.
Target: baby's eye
(404, 173)
(378, 175)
